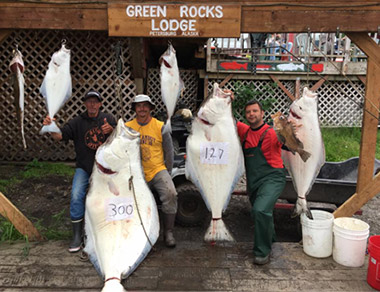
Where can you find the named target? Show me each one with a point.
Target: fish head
(121, 146)
(16, 61)
(215, 107)
(168, 60)
(305, 106)
(279, 120)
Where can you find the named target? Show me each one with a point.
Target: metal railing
(291, 47)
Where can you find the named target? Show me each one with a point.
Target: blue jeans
(78, 194)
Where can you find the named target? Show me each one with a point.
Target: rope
(131, 186)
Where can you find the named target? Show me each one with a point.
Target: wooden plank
(319, 83)
(42, 16)
(20, 222)
(256, 16)
(291, 19)
(284, 89)
(369, 126)
(359, 199)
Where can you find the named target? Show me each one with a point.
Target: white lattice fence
(339, 103)
(189, 95)
(92, 66)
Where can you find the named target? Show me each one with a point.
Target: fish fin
(217, 231)
(304, 155)
(50, 128)
(43, 88)
(167, 127)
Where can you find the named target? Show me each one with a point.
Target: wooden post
(20, 222)
(282, 86)
(4, 34)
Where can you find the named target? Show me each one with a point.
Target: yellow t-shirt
(152, 154)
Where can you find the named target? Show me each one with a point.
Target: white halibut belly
(215, 181)
(120, 245)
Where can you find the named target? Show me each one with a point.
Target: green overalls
(264, 187)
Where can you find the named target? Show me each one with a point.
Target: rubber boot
(76, 242)
(168, 230)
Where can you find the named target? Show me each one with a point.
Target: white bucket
(350, 241)
(317, 233)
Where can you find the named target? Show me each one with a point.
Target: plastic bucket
(373, 272)
(350, 241)
(317, 233)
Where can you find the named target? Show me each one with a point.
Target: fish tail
(50, 128)
(167, 127)
(217, 231)
(304, 155)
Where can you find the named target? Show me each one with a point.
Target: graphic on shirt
(94, 138)
(145, 153)
(147, 140)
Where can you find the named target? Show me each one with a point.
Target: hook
(337, 32)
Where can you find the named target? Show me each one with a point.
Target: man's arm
(167, 146)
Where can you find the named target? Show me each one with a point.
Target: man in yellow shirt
(157, 159)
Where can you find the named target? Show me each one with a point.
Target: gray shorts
(163, 184)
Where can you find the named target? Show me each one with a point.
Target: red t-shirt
(270, 146)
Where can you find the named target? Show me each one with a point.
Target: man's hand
(47, 121)
(230, 93)
(106, 127)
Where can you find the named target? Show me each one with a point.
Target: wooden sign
(279, 67)
(174, 20)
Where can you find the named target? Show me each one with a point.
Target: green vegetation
(344, 143)
(36, 169)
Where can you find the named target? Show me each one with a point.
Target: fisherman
(157, 160)
(265, 176)
(88, 130)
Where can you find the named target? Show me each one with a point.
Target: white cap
(142, 98)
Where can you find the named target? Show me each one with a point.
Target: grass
(36, 169)
(344, 143)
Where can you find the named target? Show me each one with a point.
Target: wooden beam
(49, 16)
(367, 45)
(357, 200)
(257, 16)
(20, 222)
(228, 78)
(362, 79)
(319, 83)
(284, 89)
(369, 125)
(297, 88)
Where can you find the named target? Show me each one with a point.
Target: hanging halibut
(56, 87)
(121, 218)
(214, 161)
(304, 115)
(171, 83)
(17, 68)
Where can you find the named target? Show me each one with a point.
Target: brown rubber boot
(168, 230)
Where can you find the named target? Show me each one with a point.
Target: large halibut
(304, 114)
(121, 218)
(215, 160)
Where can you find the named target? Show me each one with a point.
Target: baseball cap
(142, 98)
(92, 93)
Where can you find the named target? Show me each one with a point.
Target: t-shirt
(87, 135)
(152, 154)
(270, 146)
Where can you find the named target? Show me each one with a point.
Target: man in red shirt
(265, 176)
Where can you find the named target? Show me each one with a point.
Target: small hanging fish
(17, 68)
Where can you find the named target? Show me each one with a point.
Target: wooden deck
(191, 266)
